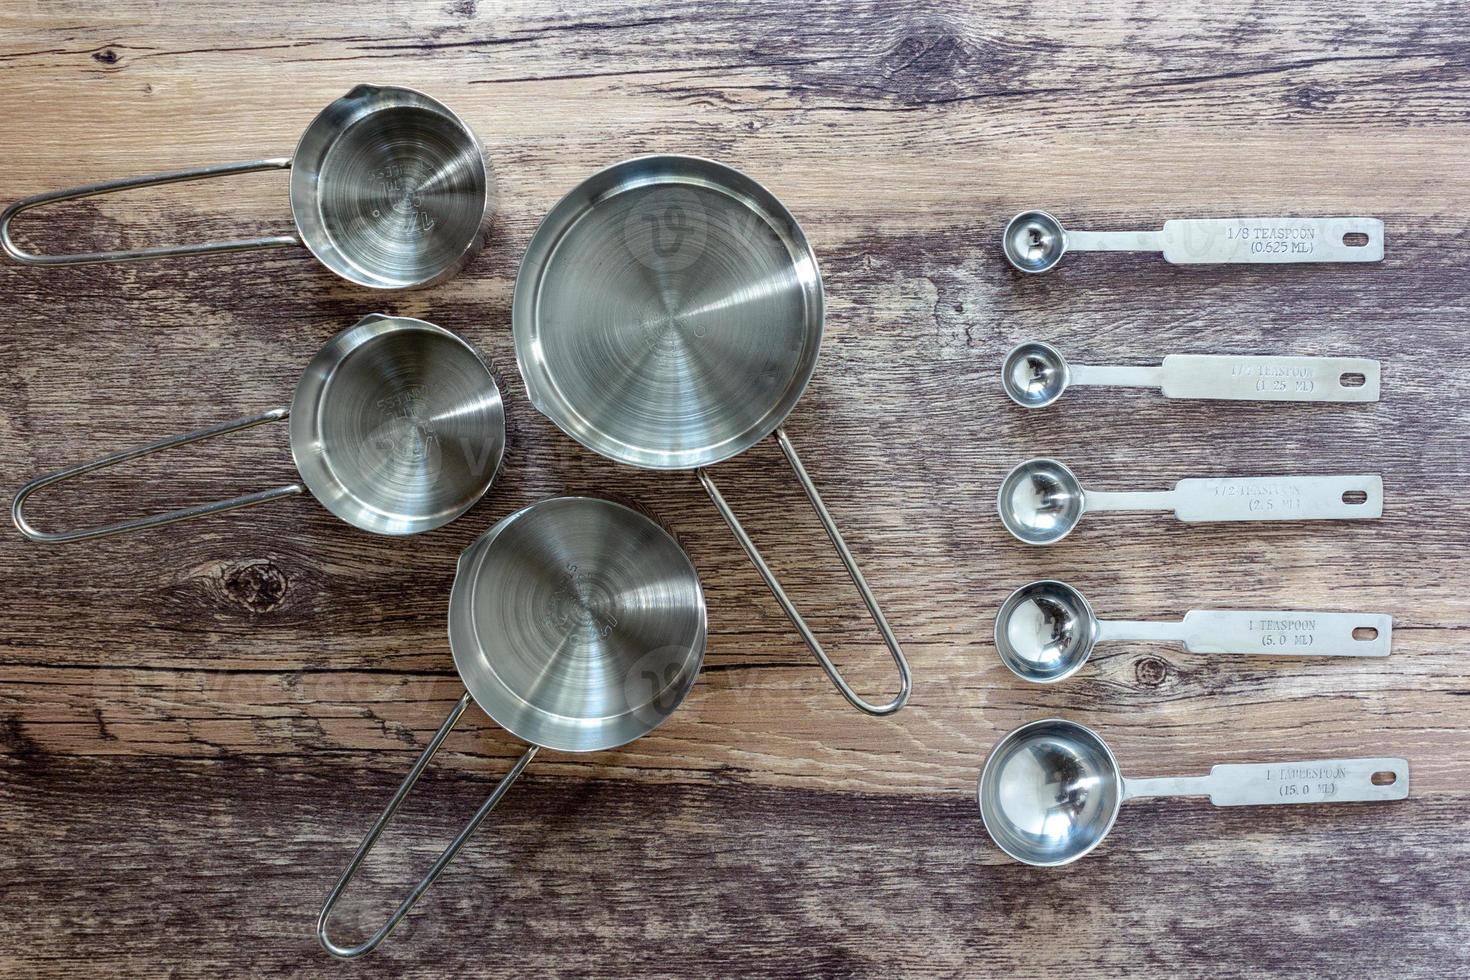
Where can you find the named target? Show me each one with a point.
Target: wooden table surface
(198, 723)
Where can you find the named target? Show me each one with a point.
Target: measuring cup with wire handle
(577, 625)
(389, 190)
(396, 425)
(668, 314)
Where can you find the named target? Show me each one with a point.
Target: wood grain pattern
(197, 723)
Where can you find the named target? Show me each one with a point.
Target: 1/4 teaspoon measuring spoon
(1051, 790)
(1035, 241)
(1041, 500)
(1045, 631)
(1035, 374)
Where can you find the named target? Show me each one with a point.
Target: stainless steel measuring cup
(1035, 241)
(577, 625)
(1051, 790)
(668, 314)
(389, 189)
(1035, 374)
(396, 427)
(1045, 631)
(1041, 500)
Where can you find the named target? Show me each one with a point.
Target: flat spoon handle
(1268, 241)
(1279, 498)
(1276, 633)
(1272, 783)
(1272, 241)
(1285, 633)
(1243, 378)
(1270, 379)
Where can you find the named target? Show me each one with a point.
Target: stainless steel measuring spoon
(1051, 790)
(1041, 500)
(1035, 374)
(1045, 631)
(1035, 241)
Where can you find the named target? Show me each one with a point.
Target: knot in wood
(1151, 671)
(259, 586)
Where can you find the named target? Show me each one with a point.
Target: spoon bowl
(1040, 501)
(1045, 631)
(1034, 241)
(1050, 792)
(1034, 374)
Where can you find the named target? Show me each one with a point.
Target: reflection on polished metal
(389, 189)
(1035, 374)
(668, 314)
(577, 625)
(1045, 631)
(1041, 500)
(1051, 790)
(396, 427)
(1035, 241)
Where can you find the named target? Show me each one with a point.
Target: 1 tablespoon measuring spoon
(1051, 790)
(1041, 500)
(1045, 631)
(1035, 241)
(1035, 374)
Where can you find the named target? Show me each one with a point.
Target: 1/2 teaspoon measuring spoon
(1045, 632)
(1035, 241)
(1051, 790)
(1035, 374)
(1041, 500)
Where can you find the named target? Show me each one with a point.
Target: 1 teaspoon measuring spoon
(1035, 241)
(1041, 500)
(1035, 374)
(1051, 790)
(1045, 631)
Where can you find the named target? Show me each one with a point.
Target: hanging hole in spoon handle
(22, 524)
(155, 252)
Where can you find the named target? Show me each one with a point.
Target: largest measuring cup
(668, 314)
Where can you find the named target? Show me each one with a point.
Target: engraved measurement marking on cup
(408, 433)
(666, 332)
(579, 603)
(402, 195)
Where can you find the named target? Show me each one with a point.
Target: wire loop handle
(127, 183)
(501, 788)
(17, 512)
(848, 562)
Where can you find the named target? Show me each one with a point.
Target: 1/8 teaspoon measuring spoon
(1035, 374)
(1035, 241)
(1051, 790)
(1041, 500)
(1045, 631)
